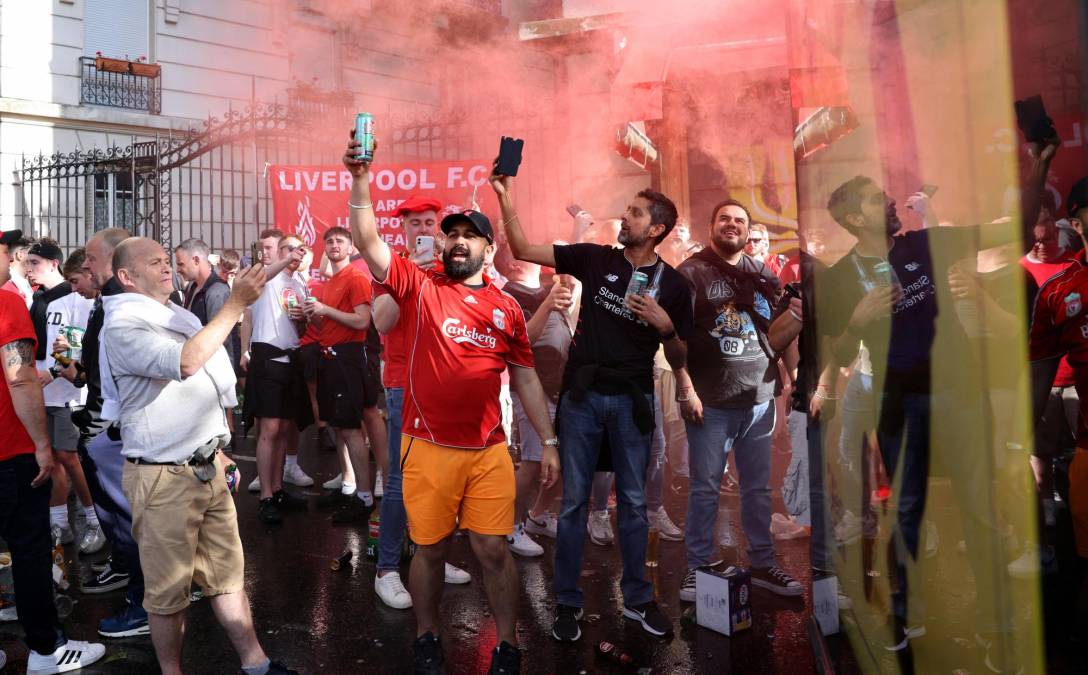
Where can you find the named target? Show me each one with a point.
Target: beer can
(639, 282)
(74, 336)
(364, 133)
(374, 528)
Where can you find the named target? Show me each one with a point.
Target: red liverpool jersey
(459, 340)
(1059, 327)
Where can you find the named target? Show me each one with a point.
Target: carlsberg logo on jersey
(453, 329)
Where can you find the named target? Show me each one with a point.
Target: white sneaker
(848, 529)
(456, 575)
(296, 476)
(933, 539)
(9, 613)
(392, 591)
(666, 529)
(786, 528)
(600, 528)
(545, 525)
(378, 490)
(255, 486)
(522, 544)
(334, 483)
(92, 540)
(1034, 561)
(71, 655)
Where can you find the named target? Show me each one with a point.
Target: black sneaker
(106, 581)
(505, 660)
(103, 565)
(353, 512)
(277, 668)
(687, 587)
(566, 628)
(775, 580)
(427, 655)
(286, 501)
(651, 618)
(333, 499)
(268, 513)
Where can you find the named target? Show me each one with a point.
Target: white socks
(58, 515)
(366, 496)
(92, 517)
(291, 460)
(347, 488)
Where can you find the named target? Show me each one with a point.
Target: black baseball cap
(47, 250)
(474, 218)
(1078, 197)
(11, 237)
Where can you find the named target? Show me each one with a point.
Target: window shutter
(115, 28)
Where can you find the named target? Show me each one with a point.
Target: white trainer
(71, 655)
(667, 530)
(600, 528)
(522, 544)
(456, 575)
(391, 590)
(334, 483)
(9, 613)
(255, 486)
(296, 476)
(545, 525)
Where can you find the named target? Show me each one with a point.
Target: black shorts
(276, 390)
(310, 354)
(344, 386)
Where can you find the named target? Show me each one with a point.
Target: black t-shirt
(552, 347)
(607, 333)
(904, 344)
(729, 356)
(38, 308)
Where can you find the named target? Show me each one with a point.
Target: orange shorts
(443, 486)
(1078, 500)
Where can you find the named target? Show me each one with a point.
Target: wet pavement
(318, 620)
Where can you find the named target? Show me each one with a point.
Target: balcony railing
(119, 90)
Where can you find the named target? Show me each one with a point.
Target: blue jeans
(820, 545)
(102, 465)
(394, 518)
(582, 426)
(747, 431)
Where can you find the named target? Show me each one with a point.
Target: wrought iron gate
(212, 184)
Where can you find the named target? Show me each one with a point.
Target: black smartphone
(255, 252)
(509, 156)
(1032, 119)
(793, 291)
(574, 210)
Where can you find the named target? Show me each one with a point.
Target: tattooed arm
(28, 402)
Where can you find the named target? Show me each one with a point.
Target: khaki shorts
(444, 486)
(186, 531)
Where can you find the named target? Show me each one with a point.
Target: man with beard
(344, 390)
(608, 386)
(457, 471)
(726, 395)
(889, 291)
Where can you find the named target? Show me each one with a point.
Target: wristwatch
(552, 442)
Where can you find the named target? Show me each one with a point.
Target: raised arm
(198, 349)
(26, 398)
(542, 254)
(364, 227)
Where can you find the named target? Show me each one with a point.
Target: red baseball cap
(415, 204)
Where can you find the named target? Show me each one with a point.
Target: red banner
(307, 200)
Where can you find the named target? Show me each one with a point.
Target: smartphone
(425, 244)
(255, 252)
(928, 190)
(509, 156)
(574, 210)
(1032, 119)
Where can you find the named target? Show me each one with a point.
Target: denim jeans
(795, 486)
(394, 518)
(819, 507)
(582, 426)
(655, 473)
(24, 525)
(102, 465)
(747, 431)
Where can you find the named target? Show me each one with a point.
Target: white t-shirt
(70, 310)
(271, 324)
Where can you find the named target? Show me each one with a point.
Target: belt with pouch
(202, 461)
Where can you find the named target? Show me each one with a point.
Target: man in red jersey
(462, 334)
(1059, 328)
